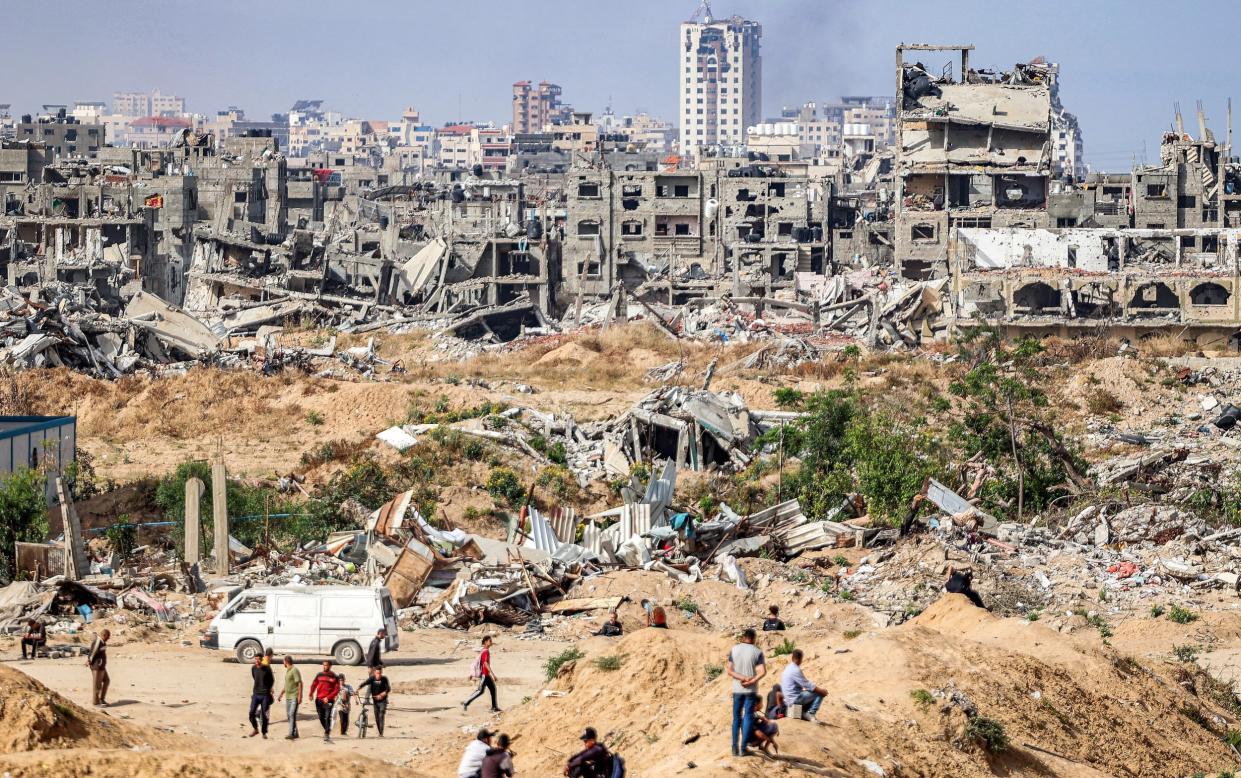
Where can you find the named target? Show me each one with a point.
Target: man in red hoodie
(324, 689)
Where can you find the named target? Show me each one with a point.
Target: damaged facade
(975, 213)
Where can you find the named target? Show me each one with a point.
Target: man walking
(486, 678)
(746, 667)
(260, 695)
(379, 689)
(374, 652)
(292, 695)
(324, 688)
(97, 661)
(799, 690)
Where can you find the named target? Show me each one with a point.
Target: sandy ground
(197, 692)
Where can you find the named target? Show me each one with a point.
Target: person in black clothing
(379, 686)
(593, 761)
(35, 637)
(612, 627)
(962, 583)
(260, 695)
(776, 709)
(498, 761)
(772, 623)
(375, 650)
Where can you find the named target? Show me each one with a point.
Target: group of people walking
(332, 695)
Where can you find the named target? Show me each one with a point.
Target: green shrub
(1185, 653)
(122, 536)
(1156, 611)
(687, 605)
(713, 671)
(1181, 615)
(314, 418)
(784, 649)
(552, 667)
(23, 515)
(988, 733)
(505, 488)
(922, 697)
(850, 634)
(609, 663)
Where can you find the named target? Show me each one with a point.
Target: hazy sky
(1124, 62)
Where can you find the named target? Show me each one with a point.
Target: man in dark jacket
(962, 582)
(593, 761)
(379, 688)
(260, 695)
(612, 627)
(498, 763)
(375, 650)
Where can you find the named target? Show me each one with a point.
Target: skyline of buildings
(720, 88)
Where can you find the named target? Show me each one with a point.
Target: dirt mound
(34, 717)
(571, 353)
(150, 764)
(1068, 704)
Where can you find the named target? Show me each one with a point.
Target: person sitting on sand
(776, 708)
(773, 623)
(612, 627)
(962, 582)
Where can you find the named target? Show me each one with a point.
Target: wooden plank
(410, 573)
(579, 604)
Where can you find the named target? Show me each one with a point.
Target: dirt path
(196, 692)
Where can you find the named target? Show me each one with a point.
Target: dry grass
(1167, 344)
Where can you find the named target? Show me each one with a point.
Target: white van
(304, 620)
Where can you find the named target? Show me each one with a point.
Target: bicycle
(363, 722)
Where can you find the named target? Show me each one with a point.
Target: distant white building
(1068, 157)
(154, 103)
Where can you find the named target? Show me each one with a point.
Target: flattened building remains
(138, 257)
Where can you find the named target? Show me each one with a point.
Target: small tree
(1008, 419)
(23, 515)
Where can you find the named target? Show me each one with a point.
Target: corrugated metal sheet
(817, 534)
(659, 490)
(541, 535)
(592, 538)
(564, 523)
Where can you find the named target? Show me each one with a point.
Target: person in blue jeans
(800, 690)
(746, 667)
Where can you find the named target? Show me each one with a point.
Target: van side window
(253, 605)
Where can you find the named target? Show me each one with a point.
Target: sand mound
(571, 353)
(955, 613)
(150, 764)
(34, 717)
(1069, 695)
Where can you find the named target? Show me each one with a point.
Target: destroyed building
(973, 150)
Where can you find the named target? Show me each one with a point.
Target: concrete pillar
(76, 562)
(219, 515)
(193, 524)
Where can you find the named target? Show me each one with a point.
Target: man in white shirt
(800, 690)
(472, 760)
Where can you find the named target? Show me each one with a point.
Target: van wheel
(348, 653)
(247, 650)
